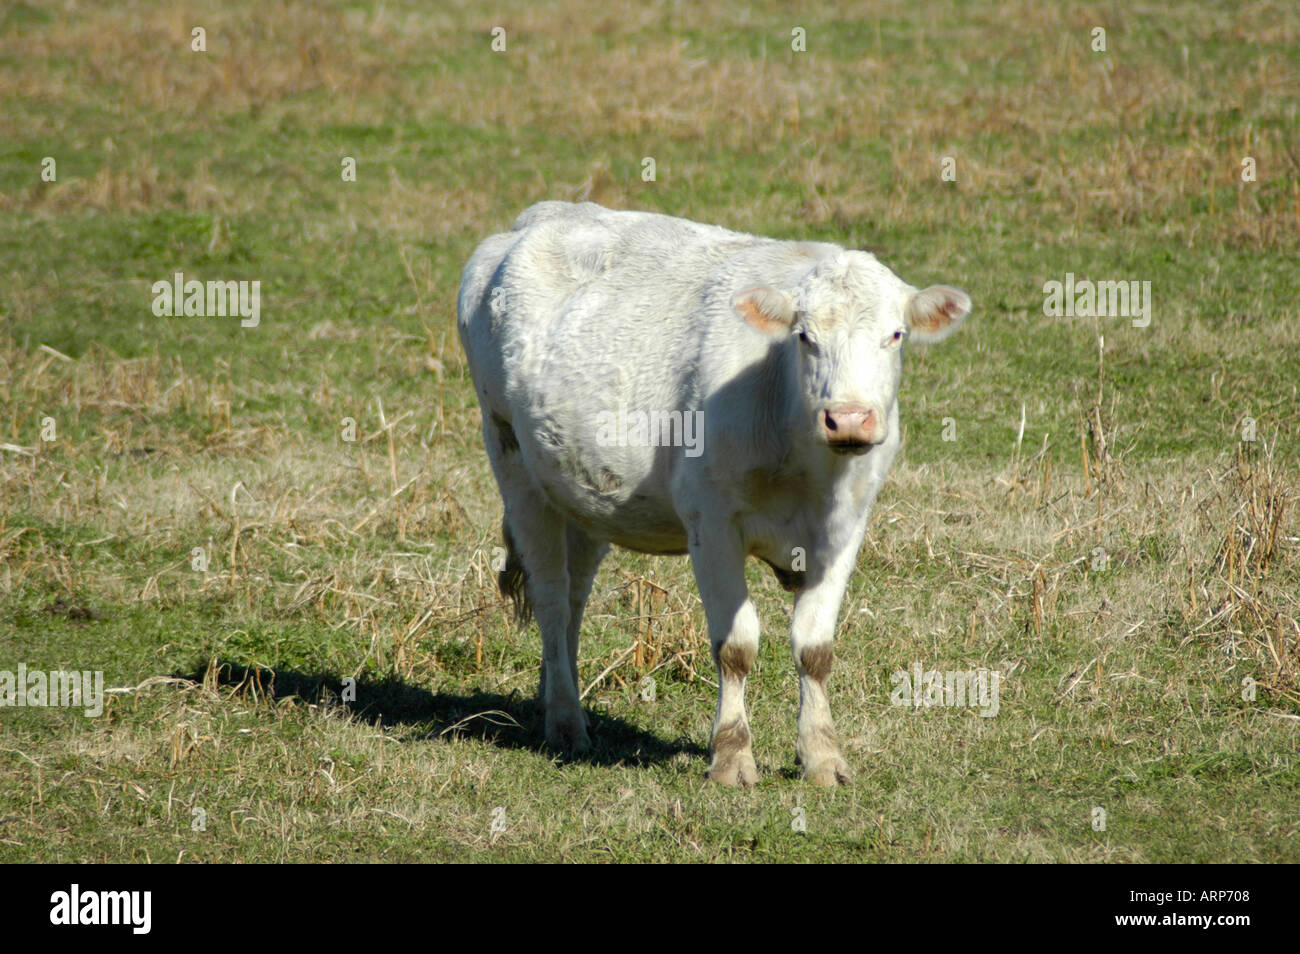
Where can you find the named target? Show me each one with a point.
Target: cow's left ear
(768, 309)
(934, 313)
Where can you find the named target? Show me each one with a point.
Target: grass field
(1076, 505)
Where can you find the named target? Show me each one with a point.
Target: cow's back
(578, 284)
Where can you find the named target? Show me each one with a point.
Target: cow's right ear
(767, 309)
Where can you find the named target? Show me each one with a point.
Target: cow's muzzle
(851, 428)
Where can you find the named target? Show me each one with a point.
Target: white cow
(598, 341)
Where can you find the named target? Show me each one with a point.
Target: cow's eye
(896, 337)
(804, 339)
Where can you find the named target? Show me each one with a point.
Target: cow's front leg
(719, 563)
(812, 635)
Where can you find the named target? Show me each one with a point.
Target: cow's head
(848, 320)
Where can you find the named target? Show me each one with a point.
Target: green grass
(369, 560)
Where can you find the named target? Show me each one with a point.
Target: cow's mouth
(850, 448)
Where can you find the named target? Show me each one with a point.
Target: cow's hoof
(568, 733)
(828, 772)
(736, 770)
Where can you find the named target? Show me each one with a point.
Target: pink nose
(852, 425)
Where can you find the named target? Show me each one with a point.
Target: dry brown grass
(675, 98)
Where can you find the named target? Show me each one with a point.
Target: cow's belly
(639, 522)
(618, 497)
(644, 525)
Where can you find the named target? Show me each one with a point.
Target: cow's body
(581, 316)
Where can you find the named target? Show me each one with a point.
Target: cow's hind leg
(583, 559)
(536, 537)
(584, 556)
(719, 564)
(539, 534)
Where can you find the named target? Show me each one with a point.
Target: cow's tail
(513, 579)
